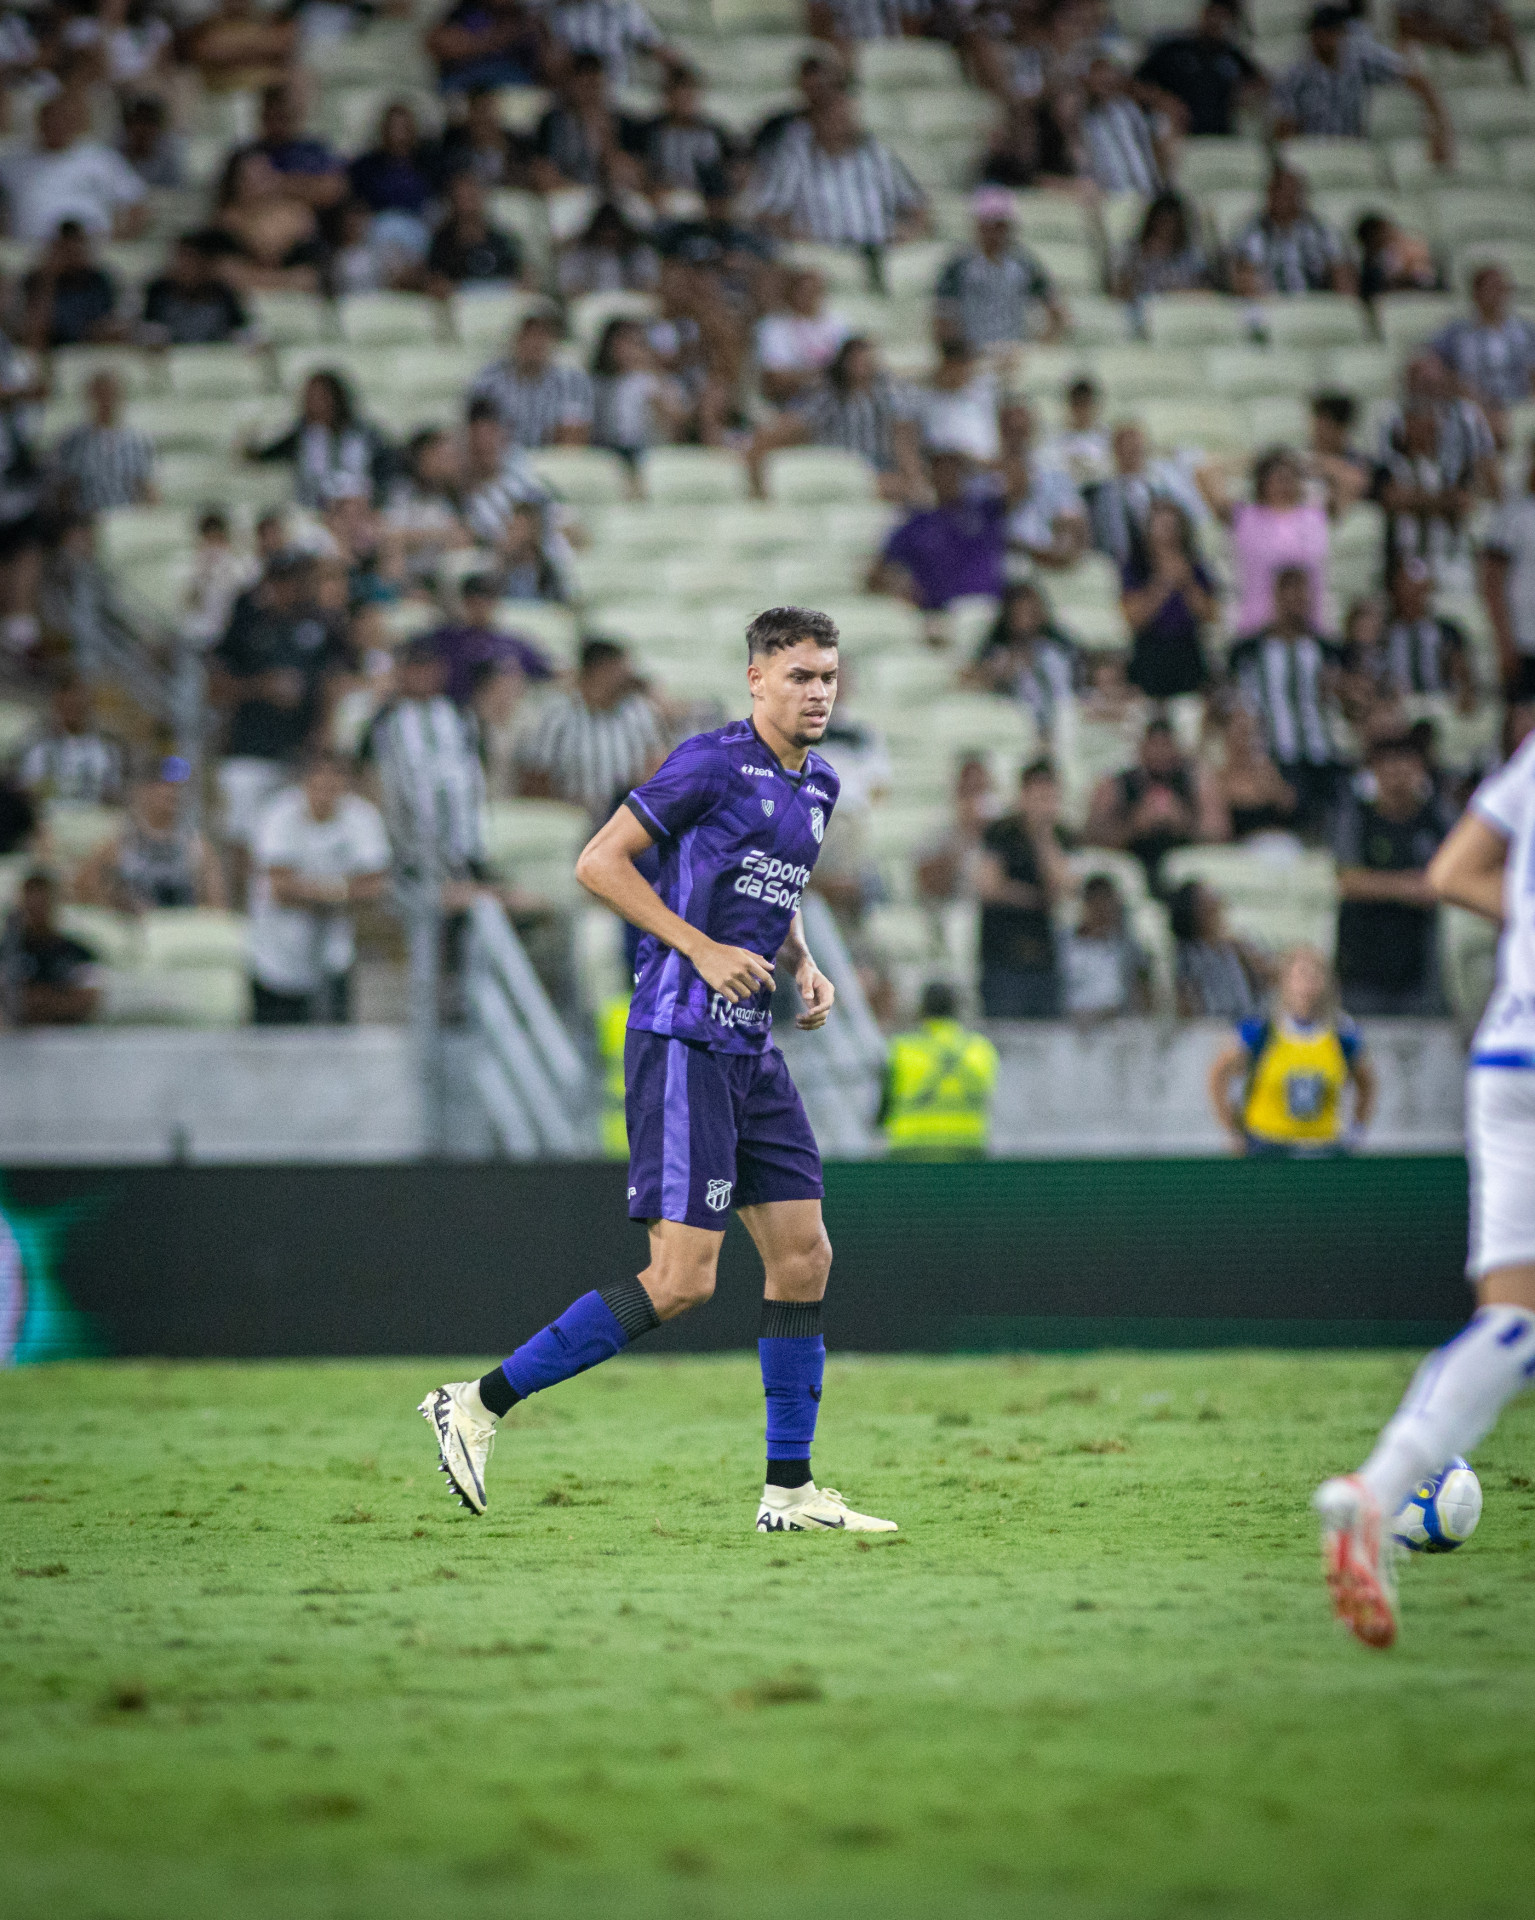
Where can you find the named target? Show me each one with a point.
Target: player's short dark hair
(782, 627)
(1342, 409)
(939, 1001)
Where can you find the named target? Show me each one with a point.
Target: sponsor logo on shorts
(817, 823)
(717, 1195)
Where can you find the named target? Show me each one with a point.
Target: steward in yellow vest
(612, 1028)
(939, 1081)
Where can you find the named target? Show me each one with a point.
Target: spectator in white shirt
(66, 176)
(798, 341)
(320, 851)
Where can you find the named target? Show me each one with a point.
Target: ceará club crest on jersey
(817, 823)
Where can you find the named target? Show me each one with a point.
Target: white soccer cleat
(1358, 1555)
(813, 1509)
(464, 1439)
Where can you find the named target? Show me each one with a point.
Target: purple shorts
(709, 1131)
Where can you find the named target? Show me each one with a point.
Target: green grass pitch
(253, 1662)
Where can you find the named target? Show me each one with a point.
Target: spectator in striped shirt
(845, 22)
(1286, 249)
(1117, 145)
(541, 402)
(581, 141)
(1327, 92)
(612, 30)
(103, 464)
(996, 293)
(1287, 676)
(682, 150)
(828, 180)
(610, 256)
(329, 437)
(1165, 257)
(1491, 353)
(1419, 651)
(72, 760)
(593, 743)
(860, 409)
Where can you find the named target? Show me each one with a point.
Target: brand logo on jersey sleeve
(817, 823)
(717, 1195)
(767, 808)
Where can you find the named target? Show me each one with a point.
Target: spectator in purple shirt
(466, 645)
(310, 170)
(939, 553)
(394, 175)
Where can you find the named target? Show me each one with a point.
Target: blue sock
(590, 1330)
(793, 1357)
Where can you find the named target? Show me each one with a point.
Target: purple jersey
(736, 837)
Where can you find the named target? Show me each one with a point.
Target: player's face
(794, 690)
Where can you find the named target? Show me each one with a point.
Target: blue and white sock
(793, 1357)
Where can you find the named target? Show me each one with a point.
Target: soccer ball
(1442, 1513)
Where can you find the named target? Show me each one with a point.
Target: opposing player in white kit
(1488, 865)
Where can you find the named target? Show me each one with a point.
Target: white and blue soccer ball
(1442, 1513)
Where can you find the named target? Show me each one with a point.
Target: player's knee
(802, 1272)
(676, 1284)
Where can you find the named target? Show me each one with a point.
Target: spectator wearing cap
(1326, 93)
(1287, 249)
(1204, 76)
(540, 401)
(72, 759)
(996, 293)
(190, 305)
(159, 859)
(1116, 144)
(320, 852)
(1387, 912)
(47, 979)
(328, 439)
(829, 181)
(1491, 353)
(473, 641)
(102, 464)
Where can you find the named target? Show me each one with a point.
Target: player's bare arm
(1467, 871)
(815, 989)
(606, 869)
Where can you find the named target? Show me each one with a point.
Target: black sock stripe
(630, 1305)
(790, 1320)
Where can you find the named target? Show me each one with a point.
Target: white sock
(1455, 1397)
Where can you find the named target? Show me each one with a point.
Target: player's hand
(817, 992)
(733, 972)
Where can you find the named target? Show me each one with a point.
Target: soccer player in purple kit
(730, 826)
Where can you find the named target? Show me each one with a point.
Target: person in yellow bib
(612, 1026)
(939, 1082)
(1278, 1086)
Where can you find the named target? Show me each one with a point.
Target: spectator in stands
(1287, 249)
(273, 673)
(1279, 529)
(309, 169)
(71, 759)
(1421, 652)
(858, 408)
(1027, 147)
(1491, 353)
(1387, 913)
(798, 340)
(268, 236)
(1466, 453)
(1215, 977)
(609, 256)
(581, 141)
(1250, 795)
(67, 176)
(634, 404)
(150, 145)
(1104, 968)
(611, 31)
(46, 978)
(466, 249)
(817, 76)
(1428, 495)
(1116, 143)
(1170, 601)
(955, 407)
(1166, 255)
(1163, 801)
(479, 144)
(1508, 586)
(1023, 876)
(191, 305)
(948, 868)
(995, 293)
(158, 859)
(953, 548)
(468, 644)
(1347, 473)
(1392, 260)
(480, 45)
(328, 439)
(828, 180)
(238, 47)
(1082, 449)
(1119, 508)
(844, 23)
(320, 851)
(682, 150)
(540, 401)
(102, 464)
(1292, 1071)
(1326, 93)
(1027, 658)
(430, 778)
(1204, 74)
(220, 574)
(70, 301)
(596, 741)
(393, 179)
(1288, 676)
(1463, 26)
